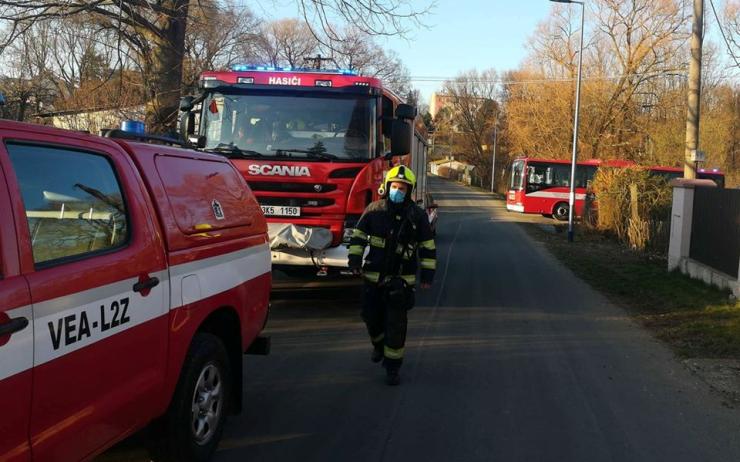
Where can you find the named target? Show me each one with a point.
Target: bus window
(540, 176)
(585, 176)
(560, 175)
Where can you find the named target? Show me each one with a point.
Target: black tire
(206, 365)
(560, 211)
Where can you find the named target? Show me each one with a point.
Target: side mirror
(186, 103)
(401, 138)
(187, 125)
(406, 111)
(198, 141)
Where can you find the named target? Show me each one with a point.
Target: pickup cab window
(72, 199)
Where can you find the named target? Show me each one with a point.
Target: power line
(436, 79)
(727, 42)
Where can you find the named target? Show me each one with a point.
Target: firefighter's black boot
(377, 354)
(392, 368)
(392, 377)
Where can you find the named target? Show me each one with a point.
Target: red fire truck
(671, 173)
(313, 146)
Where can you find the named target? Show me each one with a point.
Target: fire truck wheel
(195, 420)
(560, 212)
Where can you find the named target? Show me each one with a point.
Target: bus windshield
(517, 175)
(291, 126)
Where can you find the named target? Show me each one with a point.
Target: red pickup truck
(133, 276)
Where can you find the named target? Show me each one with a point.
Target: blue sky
(470, 34)
(460, 35)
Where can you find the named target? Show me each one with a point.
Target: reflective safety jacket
(399, 237)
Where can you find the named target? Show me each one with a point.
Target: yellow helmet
(399, 173)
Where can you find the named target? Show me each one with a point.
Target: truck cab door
(96, 270)
(16, 341)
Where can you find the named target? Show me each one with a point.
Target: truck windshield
(303, 127)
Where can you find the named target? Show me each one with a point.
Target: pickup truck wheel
(195, 420)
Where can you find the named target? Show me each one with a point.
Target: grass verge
(697, 320)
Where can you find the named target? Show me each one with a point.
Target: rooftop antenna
(316, 60)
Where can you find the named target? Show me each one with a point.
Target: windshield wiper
(308, 152)
(224, 148)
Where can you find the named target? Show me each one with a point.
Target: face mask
(396, 196)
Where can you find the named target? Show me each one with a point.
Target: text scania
(280, 170)
(284, 81)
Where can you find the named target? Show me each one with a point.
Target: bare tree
(731, 24)
(473, 112)
(634, 86)
(554, 45)
(539, 114)
(216, 37)
(28, 84)
(155, 30)
(81, 52)
(290, 42)
(644, 37)
(358, 51)
(286, 42)
(377, 18)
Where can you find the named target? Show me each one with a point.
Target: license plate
(281, 211)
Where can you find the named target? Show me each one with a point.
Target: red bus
(313, 145)
(543, 185)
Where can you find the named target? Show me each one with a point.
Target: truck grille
(274, 186)
(295, 201)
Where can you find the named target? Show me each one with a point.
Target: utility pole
(694, 99)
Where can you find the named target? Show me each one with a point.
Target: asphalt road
(510, 358)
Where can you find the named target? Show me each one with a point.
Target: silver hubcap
(207, 404)
(561, 211)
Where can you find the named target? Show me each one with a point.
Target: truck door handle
(13, 326)
(146, 284)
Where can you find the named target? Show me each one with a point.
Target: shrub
(634, 206)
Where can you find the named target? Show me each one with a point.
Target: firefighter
(400, 239)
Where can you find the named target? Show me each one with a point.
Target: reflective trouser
(385, 323)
